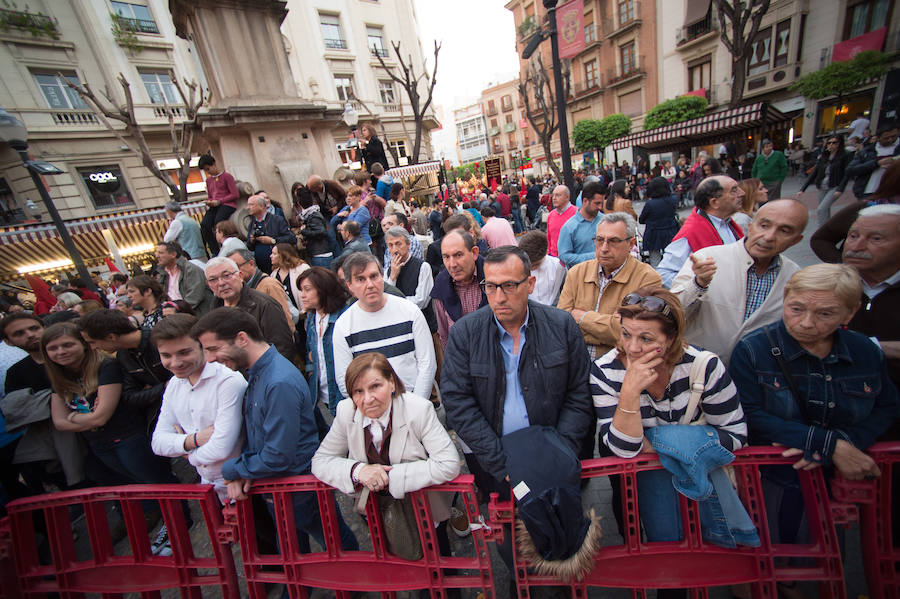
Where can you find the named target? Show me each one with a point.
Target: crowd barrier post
(879, 528)
(345, 572)
(692, 562)
(69, 572)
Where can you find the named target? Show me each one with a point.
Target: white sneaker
(160, 545)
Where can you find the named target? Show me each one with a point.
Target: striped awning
(707, 129)
(135, 232)
(415, 169)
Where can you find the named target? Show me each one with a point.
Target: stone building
(333, 51)
(471, 134)
(614, 73)
(509, 133)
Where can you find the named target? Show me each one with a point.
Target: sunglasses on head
(650, 303)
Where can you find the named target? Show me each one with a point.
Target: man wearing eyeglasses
(260, 281)
(594, 289)
(510, 365)
(224, 278)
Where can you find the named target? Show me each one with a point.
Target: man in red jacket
(717, 199)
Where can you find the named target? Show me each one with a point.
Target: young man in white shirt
(201, 415)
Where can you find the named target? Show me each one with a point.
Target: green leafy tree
(593, 134)
(842, 78)
(676, 110)
(587, 134)
(613, 127)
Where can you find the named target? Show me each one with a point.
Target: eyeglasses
(242, 263)
(612, 241)
(650, 303)
(224, 277)
(507, 286)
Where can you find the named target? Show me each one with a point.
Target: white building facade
(471, 134)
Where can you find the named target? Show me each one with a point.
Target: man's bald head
(314, 183)
(777, 226)
(792, 209)
(560, 197)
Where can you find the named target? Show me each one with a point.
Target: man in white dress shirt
(201, 414)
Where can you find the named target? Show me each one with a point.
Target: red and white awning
(415, 169)
(709, 128)
(30, 245)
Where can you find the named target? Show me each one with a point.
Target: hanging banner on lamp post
(570, 28)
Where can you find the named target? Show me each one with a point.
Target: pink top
(554, 223)
(497, 231)
(222, 188)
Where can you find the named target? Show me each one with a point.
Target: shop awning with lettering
(38, 249)
(709, 128)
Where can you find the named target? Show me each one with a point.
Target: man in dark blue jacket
(265, 230)
(279, 425)
(542, 353)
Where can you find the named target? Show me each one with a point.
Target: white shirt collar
(383, 420)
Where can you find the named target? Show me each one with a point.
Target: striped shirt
(398, 331)
(759, 286)
(719, 402)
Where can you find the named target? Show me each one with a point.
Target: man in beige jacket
(729, 290)
(593, 290)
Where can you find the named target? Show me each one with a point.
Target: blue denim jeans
(321, 261)
(308, 522)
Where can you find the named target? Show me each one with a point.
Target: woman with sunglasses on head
(828, 175)
(643, 383)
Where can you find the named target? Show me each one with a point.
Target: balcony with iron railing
(492, 110)
(382, 52)
(493, 131)
(335, 43)
(625, 73)
(389, 106)
(506, 106)
(34, 23)
(137, 25)
(583, 88)
(623, 22)
(687, 36)
(509, 127)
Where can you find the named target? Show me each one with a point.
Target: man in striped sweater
(382, 323)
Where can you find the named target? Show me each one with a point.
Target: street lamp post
(14, 133)
(565, 153)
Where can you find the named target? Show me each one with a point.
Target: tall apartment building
(616, 71)
(509, 133)
(333, 48)
(795, 37)
(471, 134)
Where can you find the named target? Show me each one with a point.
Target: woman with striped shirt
(645, 382)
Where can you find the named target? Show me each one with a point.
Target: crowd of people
(240, 350)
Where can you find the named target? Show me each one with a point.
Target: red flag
(44, 299)
(111, 265)
(493, 184)
(570, 28)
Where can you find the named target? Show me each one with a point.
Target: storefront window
(843, 112)
(106, 186)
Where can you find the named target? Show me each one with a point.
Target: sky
(478, 50)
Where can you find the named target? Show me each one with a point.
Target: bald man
(716, 200)
(562, 211)
(729, 290)
(328, 194)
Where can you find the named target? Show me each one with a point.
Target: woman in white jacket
(286, 267)
(388, 441)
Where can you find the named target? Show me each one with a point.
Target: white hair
(620, 217)
(214, 262)
(398, 232)
(880, 210)
(68, 299)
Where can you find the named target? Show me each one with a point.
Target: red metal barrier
(880, 545)
(352, 571)
(692, 562)
(70, 571)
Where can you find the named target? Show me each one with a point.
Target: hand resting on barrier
(237, 489)
(373, 476)
(852, 463)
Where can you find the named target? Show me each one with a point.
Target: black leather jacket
(144, 376)
(553, 373)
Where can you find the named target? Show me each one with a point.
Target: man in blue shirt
(279, 424)
(576, 238)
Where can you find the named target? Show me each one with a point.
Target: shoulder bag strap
(698, 384)
(776, 352)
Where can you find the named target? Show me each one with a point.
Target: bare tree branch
(537, 82)
(133, 133)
